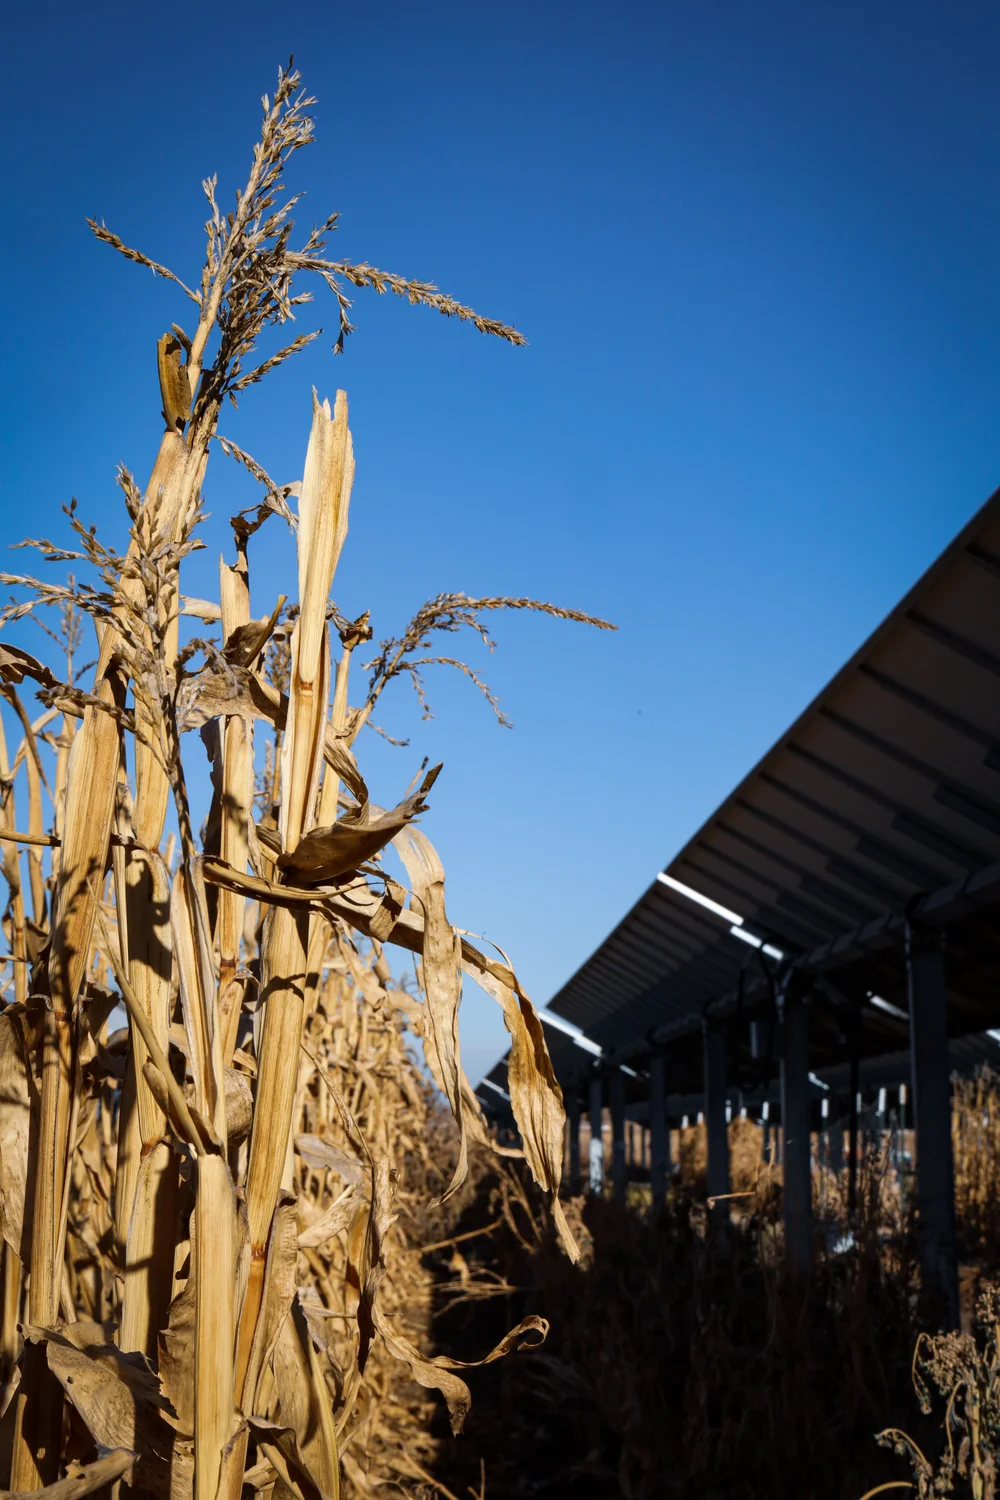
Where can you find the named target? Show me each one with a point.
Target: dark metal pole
(854, 1042)
(617, 1102)
(835, 1148)
(928, 993)
(573, 1130)
(795, 1116)
(595, 1164)
(659, 1129)
(714, 1040)
(765, 1126)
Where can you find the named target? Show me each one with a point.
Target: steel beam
(968, 893)
(926, 976)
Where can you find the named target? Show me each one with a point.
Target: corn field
(200, 1205)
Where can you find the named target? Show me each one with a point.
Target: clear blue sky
(754, 249)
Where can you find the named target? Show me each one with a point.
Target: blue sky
(754, 251)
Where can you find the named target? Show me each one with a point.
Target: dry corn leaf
(176, 1361)
(15, 1124)
(371, 1269)
(535, 1095)
(116, 1394)
(441, 976)
(149, 1247)
(16, 664)
(319, 1153)
(324, 853)
(278, 1291)
(304, 1401)
(279, 1444)
(330, 1222)
(245, 642)
(236, 809)
(189, 928)
(436, 1373)
(213, 693)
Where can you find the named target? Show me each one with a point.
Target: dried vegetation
(205, 1210)
(687, 1362)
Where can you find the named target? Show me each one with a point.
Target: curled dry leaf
(442, 981)
(535, 1095)
(331, 1221)
(325, 853)
(436, 1373)
(246, 642)
(239, 1106)
(322, 1154)
(16, 665)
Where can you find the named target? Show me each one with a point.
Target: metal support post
(928, 994)
(617, 1102)
(835, 1149)
(595, 1104)
(854, 1044)
(795, 1117)
(714, 1041)
(573, 1129)
(902, 1156)
(659, 1127)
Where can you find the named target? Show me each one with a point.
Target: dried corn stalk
(199, 1208)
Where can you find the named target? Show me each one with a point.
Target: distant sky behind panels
(754, 249)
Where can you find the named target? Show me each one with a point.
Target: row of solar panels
(882, 797)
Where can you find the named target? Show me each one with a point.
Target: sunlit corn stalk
(91, 786)
(12, 875)
(122, 1163)
(237, 803)
(323, 508)
(149, 1230)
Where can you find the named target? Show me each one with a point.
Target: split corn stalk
(323, 507)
